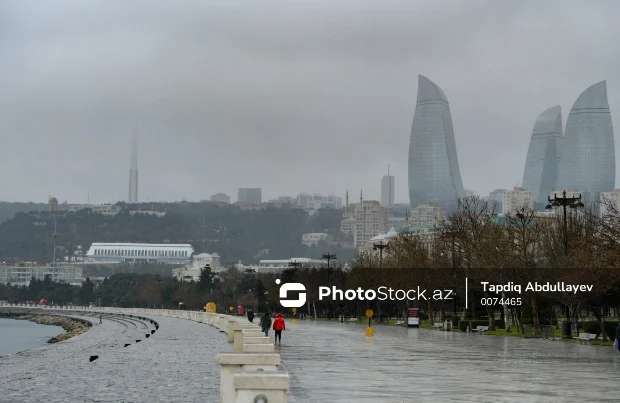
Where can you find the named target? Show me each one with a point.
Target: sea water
(19, 335)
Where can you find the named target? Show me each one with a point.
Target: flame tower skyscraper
(434, 174)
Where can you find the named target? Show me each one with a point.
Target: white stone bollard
(233, 363)
(256, 340)
(258, 348)
(261, 387)
(232, 326)
(223, 323)
(238, 334)
(253, 333)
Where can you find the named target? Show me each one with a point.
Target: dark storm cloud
(289, 96)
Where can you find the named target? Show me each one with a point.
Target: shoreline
(72, 326)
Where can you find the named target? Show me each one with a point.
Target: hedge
(592, 326)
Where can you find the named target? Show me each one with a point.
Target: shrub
(463, 325)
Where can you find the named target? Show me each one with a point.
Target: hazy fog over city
(290, 96)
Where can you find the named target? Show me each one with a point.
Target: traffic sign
(369, 313)
(210, 307)
(294, 310)
(231, 308)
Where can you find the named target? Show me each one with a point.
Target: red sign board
(413, 313)
(240, 310)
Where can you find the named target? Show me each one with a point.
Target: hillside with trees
(9, 209)
(233, 233)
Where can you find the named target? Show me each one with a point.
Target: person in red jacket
(278, 327)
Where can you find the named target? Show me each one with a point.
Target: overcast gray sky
(290, 96)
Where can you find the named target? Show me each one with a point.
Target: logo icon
(292, 303)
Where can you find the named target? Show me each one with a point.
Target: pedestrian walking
(251, 315)
(616, 343)
(278, 327)
(265, 323)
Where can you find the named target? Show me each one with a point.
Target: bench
(437, 326)
(351, 320)
(586, 338)
(400, 322)
(481, 329)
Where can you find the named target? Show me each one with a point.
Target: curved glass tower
(434, 175)
(588, 157)
(541, 165)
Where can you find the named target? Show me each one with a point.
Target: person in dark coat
(617, 343)
(265, 323)
(251, 316)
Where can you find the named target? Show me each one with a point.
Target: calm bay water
(20, 335)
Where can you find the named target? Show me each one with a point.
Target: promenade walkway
(327, 362)
(176, 364)
(333, 362)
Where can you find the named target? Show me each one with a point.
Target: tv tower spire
(133, 170)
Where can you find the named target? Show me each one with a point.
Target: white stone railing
(248, 374)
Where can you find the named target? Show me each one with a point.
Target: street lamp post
(328, 257)
(380, 246)
(571, 202)
(453, 256)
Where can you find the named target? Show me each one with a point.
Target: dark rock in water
(147, 335)
(152, 331)
(93, 357)
(137, 341)
(128, 344)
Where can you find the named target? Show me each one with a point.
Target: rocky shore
(72, 326)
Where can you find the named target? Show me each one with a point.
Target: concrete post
(223, 323)
(233, 363)
(253, 333)
(252, 386)
(256, 340)
(237, 340)
(230, 328)
(258, 348)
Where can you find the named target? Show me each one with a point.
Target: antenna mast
(54, 237)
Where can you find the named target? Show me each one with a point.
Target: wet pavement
(328, 362)
(176, 364)
(333, 362)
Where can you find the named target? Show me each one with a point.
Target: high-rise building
(541, 165)
(588, 156)
(434, 175)
(517, 198)
(387, 189)
(370, 220)
(133, 172)
(426, 215)
(220, 197)
(250, 195)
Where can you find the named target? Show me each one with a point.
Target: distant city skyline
(275, 109)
